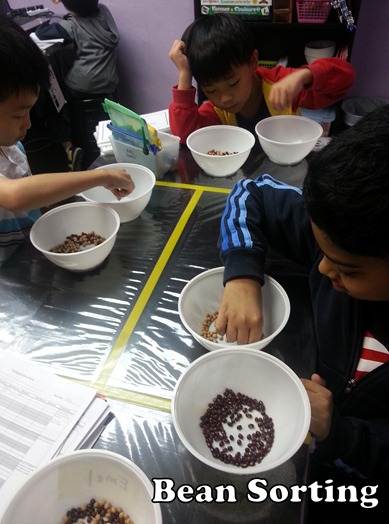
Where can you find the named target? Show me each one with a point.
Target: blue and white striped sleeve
(257, 212)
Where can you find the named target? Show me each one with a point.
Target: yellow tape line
(130, 397)
(140, 399)
(140, 304)
(194, 187)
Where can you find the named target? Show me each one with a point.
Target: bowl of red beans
(241, 411)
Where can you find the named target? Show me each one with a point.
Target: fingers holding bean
(119, 182)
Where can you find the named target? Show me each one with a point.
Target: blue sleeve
(260, 213)
(21, 147)
(49, 31)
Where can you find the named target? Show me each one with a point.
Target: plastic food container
(324, 117)
(163, 161)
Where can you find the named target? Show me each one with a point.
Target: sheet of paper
(91, 423)
(159, 120)
(55, 91)
(38, 410)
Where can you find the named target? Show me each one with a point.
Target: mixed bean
(74, 242)
(96, 512)
(237, 429)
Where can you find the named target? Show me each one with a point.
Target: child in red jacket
(218, 51)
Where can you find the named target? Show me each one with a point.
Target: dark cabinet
(276, 40)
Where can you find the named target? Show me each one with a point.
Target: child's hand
(240, 315)
(178, 57)
(119, 182)
(321, 406)
(284, 91)
(180, 60)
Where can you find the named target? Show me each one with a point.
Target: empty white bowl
(319, 49)
(288, 139)
(259, 376)
(73, 479)
(130, 207)
(203, 294)
(53, 227)
(226, 139)
(355, 108)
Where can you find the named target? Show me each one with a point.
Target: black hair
(23, 66)
(81, 7)
(214, 44)
(346, 189)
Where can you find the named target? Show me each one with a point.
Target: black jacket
(265, 212)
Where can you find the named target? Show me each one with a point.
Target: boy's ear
(254, 60)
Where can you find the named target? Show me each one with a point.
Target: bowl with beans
(77, 236)
(130, 207)
(88, 486)
(200, 299)
(240, 411)
(220, 150)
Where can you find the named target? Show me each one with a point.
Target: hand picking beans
(211, 334)
(216, 152)
(75, 242)
(237, 429)
(96, 512)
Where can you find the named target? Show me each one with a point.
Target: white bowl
(257, 375)
(53, 227)
(288, 139)
(230, 139)
(357, 107)
(130, 207)
(319, 49)
(73, 479)
(203, 294)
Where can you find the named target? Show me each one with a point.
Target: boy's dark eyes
(234, 83)
(348, 274)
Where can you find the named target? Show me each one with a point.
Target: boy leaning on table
(218, 51)
(23, 72)
(338, 227)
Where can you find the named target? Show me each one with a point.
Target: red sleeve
(332, 79)
(185, 116)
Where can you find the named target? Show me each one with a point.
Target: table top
(117, 329)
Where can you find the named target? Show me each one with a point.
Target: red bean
(227, 409)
